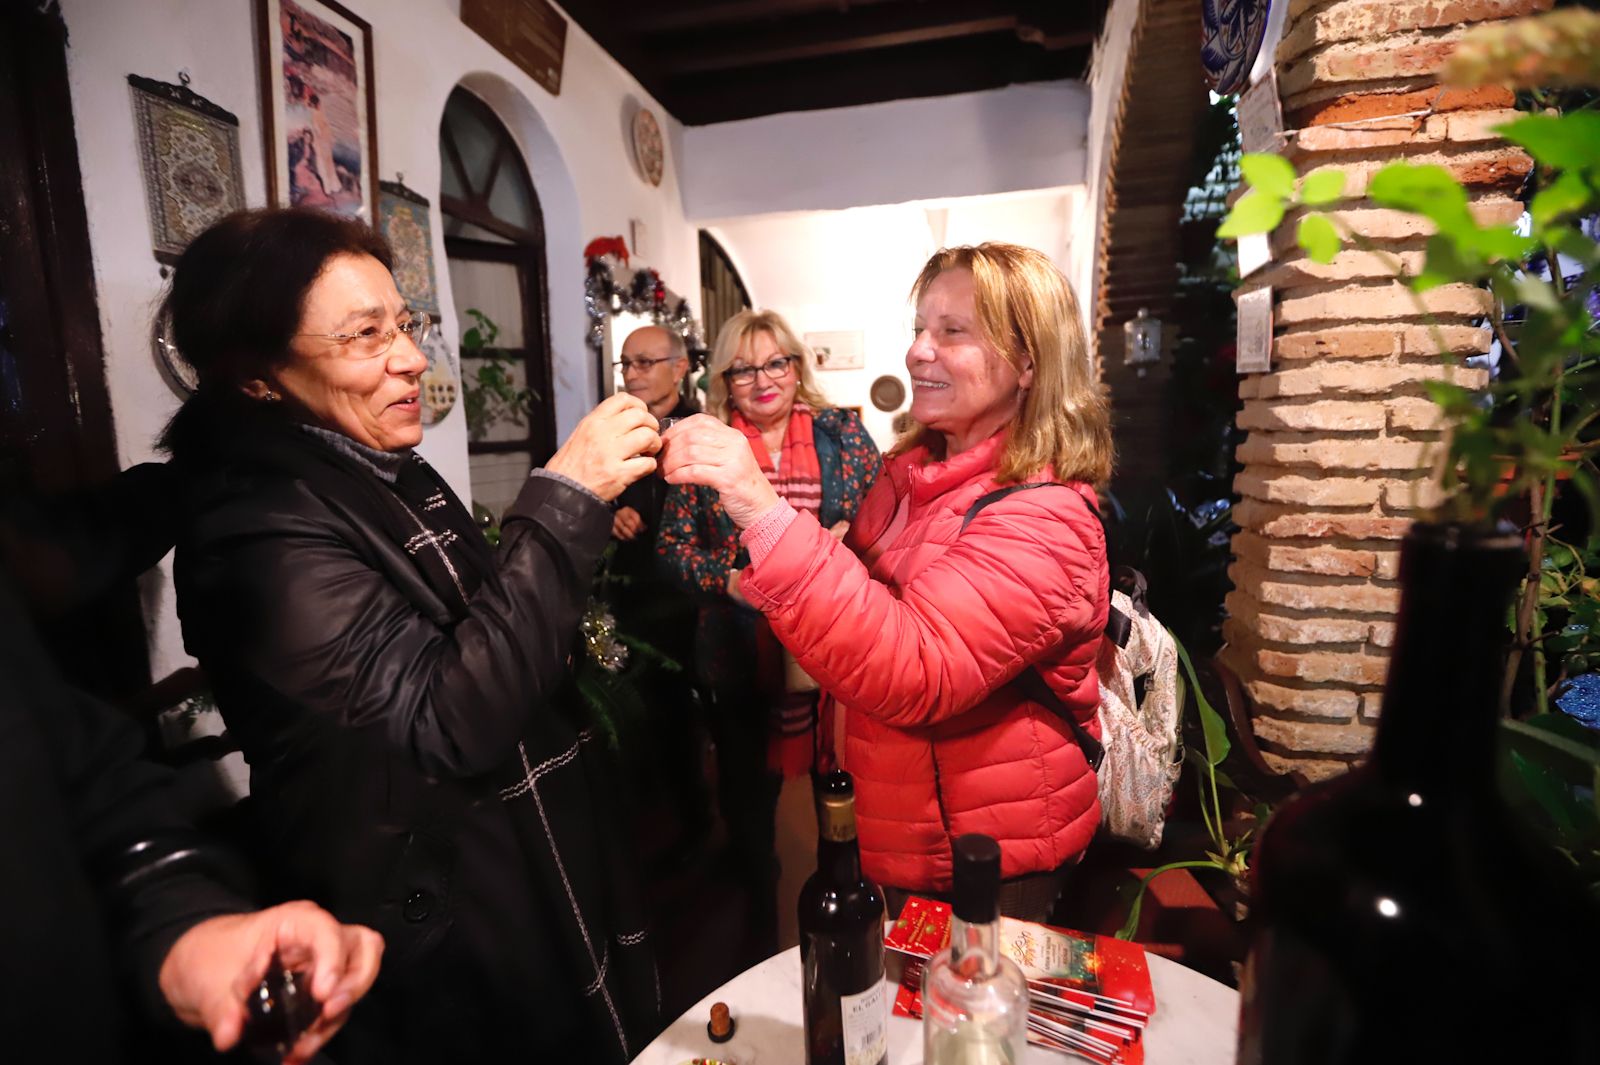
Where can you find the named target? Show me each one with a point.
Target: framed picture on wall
(317, 107)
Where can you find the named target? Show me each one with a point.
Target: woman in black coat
(391, 679)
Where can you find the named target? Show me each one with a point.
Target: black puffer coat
(395, 686)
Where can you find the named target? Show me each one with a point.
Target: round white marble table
(1196, 1022)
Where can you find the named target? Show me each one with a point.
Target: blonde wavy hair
(1026, 310)
(735, 334)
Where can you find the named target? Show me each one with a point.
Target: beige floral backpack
(1140, 753)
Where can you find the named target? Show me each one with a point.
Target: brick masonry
(1343, 442)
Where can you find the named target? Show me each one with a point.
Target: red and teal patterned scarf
(798, 479)
(798, 476)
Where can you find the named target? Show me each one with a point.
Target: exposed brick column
(1342, 434)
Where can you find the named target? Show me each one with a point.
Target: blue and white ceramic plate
(1230, 37)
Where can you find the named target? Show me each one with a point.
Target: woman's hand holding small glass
(701, 450)
(611, 448)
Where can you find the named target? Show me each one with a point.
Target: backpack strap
(1030, 682)
(1119, 627)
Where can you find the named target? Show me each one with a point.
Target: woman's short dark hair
(240, 287)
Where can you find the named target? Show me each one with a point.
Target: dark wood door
(56, 432)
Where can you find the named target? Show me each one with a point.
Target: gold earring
(272, 397)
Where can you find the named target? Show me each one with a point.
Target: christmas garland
(612, 287)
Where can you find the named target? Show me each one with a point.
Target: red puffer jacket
(916, 641)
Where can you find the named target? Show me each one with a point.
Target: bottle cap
(720, 1027)
(977, 878)
(836, 808)
(836, 786)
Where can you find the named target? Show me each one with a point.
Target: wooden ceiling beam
(824, 45)
(680, 16)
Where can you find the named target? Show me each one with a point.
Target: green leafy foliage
(1322, 187)
(491, 394)
(1226, 854)
(1530, 437)
(1548, 770)
(1565, 196)
(1318, 237)
(1562, 142)
(1427, 190)
(1270, 174)
(1256, 212)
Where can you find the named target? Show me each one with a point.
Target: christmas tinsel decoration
(639, 292)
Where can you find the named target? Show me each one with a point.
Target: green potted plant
(1528, 442)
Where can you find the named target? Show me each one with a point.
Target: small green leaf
(1574, 245)
(1271, 174)
(1537, 295)
(1447, 262)
(1426, 190)
(1256, 212)
(1211, 725)
(1500, 243)
(1452, 398)
(1541, 785)
(1562, 734)
(1566, 195)
(1319, 239)
(1569, 141)
(1322, 187)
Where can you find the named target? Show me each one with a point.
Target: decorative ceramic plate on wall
(1230, 37)
(648, 147)
(888, 393)
(175, 370)
(441, 384)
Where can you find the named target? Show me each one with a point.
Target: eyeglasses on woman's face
(371, 342)
(777, 369)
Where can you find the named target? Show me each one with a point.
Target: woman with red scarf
(821, 460)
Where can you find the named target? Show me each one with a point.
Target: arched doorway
(495, 247)
(722, 290)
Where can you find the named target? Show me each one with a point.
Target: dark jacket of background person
(93, 892)
(637, 557)
(649, 605)
(391, 680)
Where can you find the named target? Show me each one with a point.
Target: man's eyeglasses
(776, 370)
(627, 366)
(372, 341)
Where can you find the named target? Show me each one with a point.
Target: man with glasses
(653, 364)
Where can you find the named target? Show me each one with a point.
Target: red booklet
(1090, 994)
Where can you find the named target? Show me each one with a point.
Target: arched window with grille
(722, 291)
(494, 244)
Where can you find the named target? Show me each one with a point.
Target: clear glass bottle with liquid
(974, 1000)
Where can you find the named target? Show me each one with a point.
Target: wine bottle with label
(1402, 913)
(841, 942)
(974, 999)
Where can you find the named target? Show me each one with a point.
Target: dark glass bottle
(1401, 913)
(841, 941)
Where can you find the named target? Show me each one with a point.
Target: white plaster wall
(576, 144)
(852, 270)
(1022, 137)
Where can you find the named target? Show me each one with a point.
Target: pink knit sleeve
(763, 534)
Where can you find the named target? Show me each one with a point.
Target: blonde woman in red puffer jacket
(915, 627)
